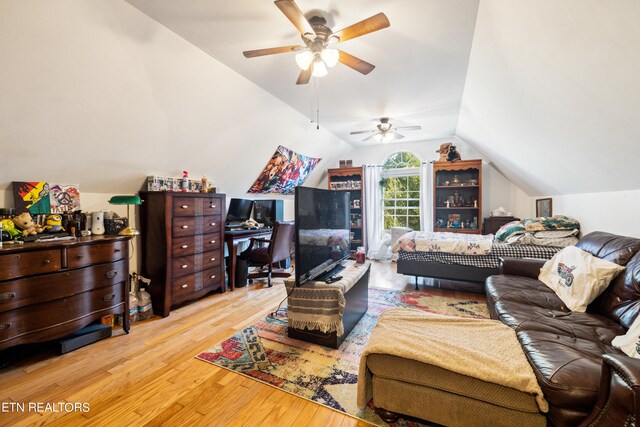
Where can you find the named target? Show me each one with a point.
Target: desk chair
(279, 249)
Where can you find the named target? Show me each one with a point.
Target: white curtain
(373, 206)
(426, 197)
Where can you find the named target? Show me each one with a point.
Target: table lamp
(127, 200)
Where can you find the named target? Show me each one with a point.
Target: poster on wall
(285, 171)
(64, 198)
(32, 197)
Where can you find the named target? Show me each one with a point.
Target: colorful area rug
(324, 375)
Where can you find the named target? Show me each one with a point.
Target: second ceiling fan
(385, 131)
(319, 50)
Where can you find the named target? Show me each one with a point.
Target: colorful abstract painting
(285, 171)
(32, 197)
(64, 198)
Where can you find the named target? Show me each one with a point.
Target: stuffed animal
(54, 224)
(25, 223)
(443, 151)
(453, 155)
(9, 227)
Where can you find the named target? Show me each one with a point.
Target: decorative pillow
(629, 342)
(577, 277)
(510, 228)
(558, 222)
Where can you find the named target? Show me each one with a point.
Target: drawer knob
(47, 261)
(213, 223)
(184, 266)
(111, 274)
(4, 326)
(185, 226)
(213, 276)
(213, 241)
(108, 297)
(184, 286)
(212, 259)
(7, 296)
(116, 250)
(79, 256)
(213, 206)
(184, 246)
(184, 206)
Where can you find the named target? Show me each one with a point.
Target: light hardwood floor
(150, 377)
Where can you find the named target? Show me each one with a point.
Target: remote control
(333, 279)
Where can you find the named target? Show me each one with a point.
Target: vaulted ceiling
(546, 90)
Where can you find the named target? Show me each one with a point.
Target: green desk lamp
(127, 200)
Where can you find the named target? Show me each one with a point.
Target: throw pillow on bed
(577, 277)
(629, 342)
(509, 229)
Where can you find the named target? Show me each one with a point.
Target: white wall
(97, 93)
(614, 212)
(497, 190)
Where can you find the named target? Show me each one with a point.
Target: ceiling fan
(319, 51)
(385, 131)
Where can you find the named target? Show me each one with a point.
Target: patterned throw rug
(324, 375)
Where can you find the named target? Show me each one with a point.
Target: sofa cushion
(586, 326)
(568, 369)
(610, 247)
(524, 290)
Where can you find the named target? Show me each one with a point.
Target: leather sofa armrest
(619, 394)
(527, 267)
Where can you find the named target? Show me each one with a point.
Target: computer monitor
(268, 212)
(239, 210)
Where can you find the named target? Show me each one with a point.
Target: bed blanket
(479, 348)
(451, 243)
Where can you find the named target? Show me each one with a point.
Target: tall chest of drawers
(182, 246)
(48, 290)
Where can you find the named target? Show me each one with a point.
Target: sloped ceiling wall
(97, 93)
(552, 93)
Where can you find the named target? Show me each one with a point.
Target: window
(401, 191)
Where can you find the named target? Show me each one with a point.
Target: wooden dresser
(48, 290)
(182, 246)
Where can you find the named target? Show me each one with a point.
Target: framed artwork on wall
(544, 207)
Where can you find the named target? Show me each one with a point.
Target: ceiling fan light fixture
(304, 59)
(330, 56)
(319, 69)
(387, 137)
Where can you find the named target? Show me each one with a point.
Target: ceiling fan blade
(270, 51)
(305, 75)
(356, 63)
(293, 13)
(398, 136)
(409, 127)
(368, 138)
(356, 132)
(369, 25)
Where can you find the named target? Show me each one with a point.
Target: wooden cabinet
(182, 246)
(352, 180)
(48, 290)
(457, 196)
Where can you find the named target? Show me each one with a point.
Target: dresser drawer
(187, 285)
(196, 206)
(29, 263)
(80, 256)
(195, 244)
(34, 290)
(185, 265)
(190, 226)
(39, 317)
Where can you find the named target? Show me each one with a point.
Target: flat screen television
(239, 210)
(322, 232)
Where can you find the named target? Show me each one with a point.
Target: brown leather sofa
(584, 378)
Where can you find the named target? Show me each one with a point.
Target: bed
(471, 261)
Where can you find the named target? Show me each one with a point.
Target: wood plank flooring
(151, 378)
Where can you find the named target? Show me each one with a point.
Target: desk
(232, 238)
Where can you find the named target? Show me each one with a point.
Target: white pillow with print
(629, 342)
(578, 277)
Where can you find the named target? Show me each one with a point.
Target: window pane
(414, 203)
(414, 223)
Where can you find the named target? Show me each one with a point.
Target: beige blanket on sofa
(480, 348)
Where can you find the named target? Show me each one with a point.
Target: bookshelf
(457, 196)
(352, 180)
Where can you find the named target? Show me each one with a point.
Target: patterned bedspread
(491, 260)
(452, 243)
